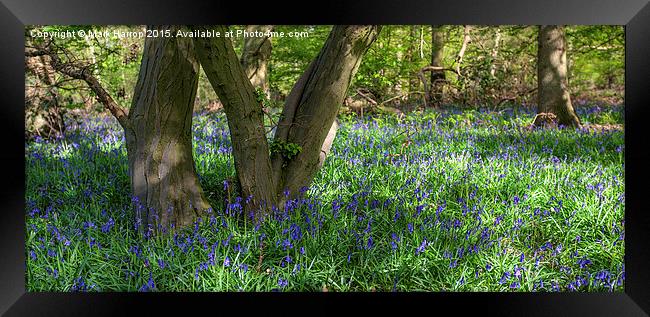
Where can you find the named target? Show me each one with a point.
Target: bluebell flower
(226, 261)
(53, 272)
(370, 243)
(79, 285)
(286, 244)
(296, 232)
(422, 247)
(517, 271)
(282, 282)
(584, 262)
(108, 225)
(149, 286)
(504, 277)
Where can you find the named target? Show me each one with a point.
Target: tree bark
(437, 77)
(307, 118)
(553, 89)
(245, 119)
(255, 57)
(159, 136)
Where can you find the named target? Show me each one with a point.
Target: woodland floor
(453, 201)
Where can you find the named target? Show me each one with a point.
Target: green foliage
(114, 61)
(291, 55)
(287, 149)
(491, 74)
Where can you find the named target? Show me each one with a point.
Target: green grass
(492, 206)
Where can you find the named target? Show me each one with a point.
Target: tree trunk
(461, 53)
(410, 58)
(245, 119)
(307, 118)
(159, 141)
(553, 89)
(158, 131)
(255, 57)
(495, 52)
(311, 107)
(437, 77)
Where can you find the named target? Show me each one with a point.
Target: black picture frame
(634, 14)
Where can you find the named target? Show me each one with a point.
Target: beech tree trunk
(307, 118)
(437, 77)
(255, 57)
(553, 88)
(158, 131)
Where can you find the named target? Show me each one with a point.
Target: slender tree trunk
(553, 90)
(255, 57)
(307, 118)
(461, 53)
(159, 137)
(495, 52)
(437, 77)
(158, 131)
(410, 58)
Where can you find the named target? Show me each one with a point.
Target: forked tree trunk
(161, 163)
(311, 107)
(158, 131)
(437, 77)
(307, 118)
(553, 89)
(255, 57)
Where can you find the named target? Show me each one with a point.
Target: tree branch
(81, 72)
